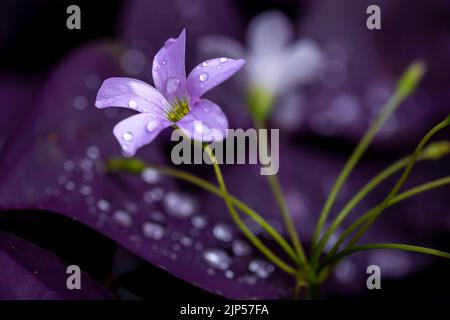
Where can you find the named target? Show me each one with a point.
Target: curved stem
(275, 187)
(433, 152)
(253, 239)
(400, 197)
(127, 164)
(405, 87)
(400, 181)
(395, 246)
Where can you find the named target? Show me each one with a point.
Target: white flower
(275, 63)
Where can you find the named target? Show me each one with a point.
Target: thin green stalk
(400, 181)
(432, 152)
(375, 246)
(253, 239)
(136, 166)
(400, 197)
(275, 187)
(406, 86)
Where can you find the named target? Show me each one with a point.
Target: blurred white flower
(275, 63)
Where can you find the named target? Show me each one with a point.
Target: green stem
(275, 187)
(136, 166)
(336, 258)
(253, 239)
(405, 87)
(400, 181)
(433, 152)
(400, 197)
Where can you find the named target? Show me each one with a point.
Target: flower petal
(261, 31)
(302, 63)
(130, 93)
(169, 72)
(209, 74)
(138, 130)
(205, 122)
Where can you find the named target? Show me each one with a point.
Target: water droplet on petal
(153, 230)
(203, 77)
(219, 67)
(152, 125)
(127, 136)
(164, 62)
(223, 60)
(172, 85)
(222, 232)
(132, 104)
(205, 64)
(217, 259)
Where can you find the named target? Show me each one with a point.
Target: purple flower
(176, 99)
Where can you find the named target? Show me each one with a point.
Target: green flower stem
(275, 186)
(136, 166)
(400, 197)
(400, 181)
(405, 88)
(395, 246)
(253, 239)
(433, 152)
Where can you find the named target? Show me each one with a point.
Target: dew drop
(186, 241)
(241, 247)
(217, 259)
(223, 60)
(205, 64)
(198, 222)
(172, 85)
(103, 205)
(86, 190)
(70, 186)
(132, 104)
(152, 125)
(122, 218)
(203, 77)
(164, 62)
(128, 136)
(69, 165)
(261, 268)
(222, 232)
(178, 205)
(153, 230)
(219, 67)
(92, 152)
(229, 274)
(150, 175)
(80, 102)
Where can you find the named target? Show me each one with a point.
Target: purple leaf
(29, 272)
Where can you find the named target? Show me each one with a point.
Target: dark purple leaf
(29, 272)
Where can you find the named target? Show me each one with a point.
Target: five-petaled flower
(176, 99)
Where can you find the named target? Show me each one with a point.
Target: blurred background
(54, 194)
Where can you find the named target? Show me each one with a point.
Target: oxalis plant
(176, 102)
